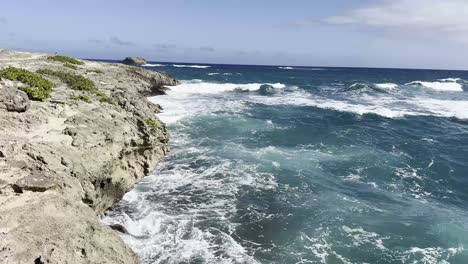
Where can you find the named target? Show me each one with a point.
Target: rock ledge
(64, 161)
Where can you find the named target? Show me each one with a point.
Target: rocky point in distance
(134, 61)
(75, 136)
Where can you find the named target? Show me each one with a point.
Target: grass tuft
(76, 82)
(151, 123)
(65, 59)
(81, 97)
(71, 66)
(38, 88)
(106, 99)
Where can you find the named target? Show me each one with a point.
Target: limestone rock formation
(11, 98)
(65, 161)
(134, 61)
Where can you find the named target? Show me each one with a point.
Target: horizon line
(281, 65)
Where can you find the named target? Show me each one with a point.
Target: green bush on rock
(38, 88)
(151, 123)
(66, 59)
(106, 99)
(81, 97)
(76, 82)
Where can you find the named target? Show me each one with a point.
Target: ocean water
(306, 165)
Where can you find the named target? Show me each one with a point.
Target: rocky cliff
(68, 157)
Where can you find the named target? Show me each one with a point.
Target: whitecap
(153, 65)
(190, 66)
(212, 73)
(439, 86)
(286, 68)
(385, 106)
(386, 85)
(198, 87)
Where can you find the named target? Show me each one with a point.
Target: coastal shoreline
(68, 158)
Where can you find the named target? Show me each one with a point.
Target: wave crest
(448, 86)
(190, 66)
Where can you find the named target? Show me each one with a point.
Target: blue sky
(364, 33)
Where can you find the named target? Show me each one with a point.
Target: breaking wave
(190, 66)
(386, 85)
(448, 86)
(153, 65)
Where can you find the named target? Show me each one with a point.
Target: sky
(356, 33)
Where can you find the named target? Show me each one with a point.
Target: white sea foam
(179, 103)
(386, 85)
(190, 66)
(153, 65)
(196, 87)
(168, 224)
(213, 73)
(286, 68)
(178, 99)
(386, 106)
(360, 237)
(430, 255)
(439, 86)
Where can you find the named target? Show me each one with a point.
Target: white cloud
(438, 17)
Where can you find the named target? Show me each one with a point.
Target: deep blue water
(306, 165)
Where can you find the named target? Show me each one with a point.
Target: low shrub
(65, 59)
(151, 123)
(71, 66)
(106, 99)
(81, 97)
(76, 82)
(38, 88)
(133, 69)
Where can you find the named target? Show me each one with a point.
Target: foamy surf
(199, 87)
(439, 86)
(266, 168)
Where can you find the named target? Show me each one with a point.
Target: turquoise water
(306, 165)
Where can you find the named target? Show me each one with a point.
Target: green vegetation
(106, 99)
(76, 82)
(133, 69)
(71, 66)
(38, 87)
(81, 97)
(95, 71)
(66, 59)
(152, 123)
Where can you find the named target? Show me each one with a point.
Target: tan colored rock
(63, 162)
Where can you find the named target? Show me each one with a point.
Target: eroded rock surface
(64, 161)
